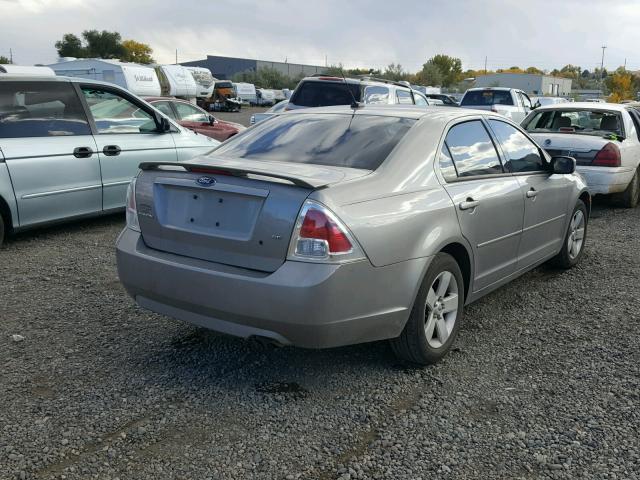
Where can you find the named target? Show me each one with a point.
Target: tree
(450, 69)
(103, 44)
(4, 60)
(622, 85)
(395, 72)
(137, 52)
(430, 75)
(70, 46)
(534, 70)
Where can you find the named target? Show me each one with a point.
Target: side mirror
(212, 119)
(563, 165)
(164, 126)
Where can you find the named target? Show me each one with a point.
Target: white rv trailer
(25, 70)
(138, 79)
(176, 81)
(246, 92)
(205, 81)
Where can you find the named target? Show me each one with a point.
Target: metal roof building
(227, 67)
(532, 84)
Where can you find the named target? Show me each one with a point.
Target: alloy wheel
(576, 234)
(441, 311)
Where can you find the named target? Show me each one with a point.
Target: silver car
(70, 147)
(334, 226)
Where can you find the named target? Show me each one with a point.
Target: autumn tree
(622, 85)
(104, 44)
(137, 52)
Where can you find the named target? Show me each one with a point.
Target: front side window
(420, 100)
(404, 97)
(114, 113)
(472, 150)
(526, 101)
(522, 154)
(41, 109)
(189, 113)
(576, 121)
(355, 141)
(376, 94)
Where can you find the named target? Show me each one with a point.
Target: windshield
(325, 94)
(355, 141)
(487, 97)
(586, 122)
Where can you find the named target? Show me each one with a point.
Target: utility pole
(625, 64)
(10, 55)
(602, 69)
(485, 64)
(176, 56)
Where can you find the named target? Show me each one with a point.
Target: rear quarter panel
(6, 192)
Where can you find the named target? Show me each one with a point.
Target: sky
(542, 33)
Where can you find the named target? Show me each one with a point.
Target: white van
(204, 81)
(246, 92)
(138, 79)
(176, 81)
(25, 70)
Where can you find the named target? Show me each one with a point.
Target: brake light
(320, 236)
(131, 209)
(211, 171)
(609, 156)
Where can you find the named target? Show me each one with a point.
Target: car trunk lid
(236, 212)
(583, 148)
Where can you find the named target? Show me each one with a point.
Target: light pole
(602, 70)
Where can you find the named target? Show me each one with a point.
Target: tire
(573, 244)
(2, 230)
(631, 196)
(433, 325)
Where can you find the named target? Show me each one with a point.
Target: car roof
(585, 106)
(52, 78)
(367, 80)
(475, 89)
(444, 113)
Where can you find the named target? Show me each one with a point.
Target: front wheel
(436, 315)
(574, 239)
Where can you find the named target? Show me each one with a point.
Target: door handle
(82, 152)
(469, 203)
(111, 150)
(533, 193)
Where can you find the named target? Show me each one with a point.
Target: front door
(126, 135)
(49, 151)
(546, 196)
(489, 201)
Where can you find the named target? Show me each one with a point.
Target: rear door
(488, 200)
(546, 196)
(49, 151)
(126, 135)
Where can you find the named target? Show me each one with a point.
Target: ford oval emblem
(547, 141)
(206, 181)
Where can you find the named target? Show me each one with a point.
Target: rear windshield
(585, 122)
(355, 141)
(487, 97)
(325, 94)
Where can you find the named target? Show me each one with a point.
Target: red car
(195, 118)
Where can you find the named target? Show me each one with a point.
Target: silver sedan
(334, 226)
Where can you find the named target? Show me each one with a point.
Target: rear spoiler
(236, 172)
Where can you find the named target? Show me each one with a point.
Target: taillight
(320, 236)
(131, 209)
(609, 156)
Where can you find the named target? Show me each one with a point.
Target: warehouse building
(530, 83)
(226, 67)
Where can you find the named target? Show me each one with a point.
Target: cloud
(543, 33)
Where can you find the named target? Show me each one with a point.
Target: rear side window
(376, 94)
(576, 121)
(355, 141)
(41, 109)
(522, 154)
(472, 150)
(487, 97)
(447, 168)
(325, 94)
(404, 97)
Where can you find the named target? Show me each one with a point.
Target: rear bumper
(606, 180)
(303, 304)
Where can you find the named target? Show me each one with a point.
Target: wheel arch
(5, 212)
(461, 255)
(586, 199)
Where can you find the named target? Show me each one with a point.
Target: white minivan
(69, 147)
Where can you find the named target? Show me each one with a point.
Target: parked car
(544, 101)
(284, 233)
(603, 137)
(69, 147)
(195, 118)
(444, 98)
(277, 108)
(509, 102)
(324, 91)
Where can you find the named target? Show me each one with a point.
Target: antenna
(354, 103)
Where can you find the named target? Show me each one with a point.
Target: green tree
(103, 44)
(137, 52)
(70, 46)
(4, 60)
(395, 72)
(450, 68)
(430, 75)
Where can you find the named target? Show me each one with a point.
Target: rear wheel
(1, 230)
(630, 197)
(436, 315)
(574, 239)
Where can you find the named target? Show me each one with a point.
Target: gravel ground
(242, 117)
(543, 382)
